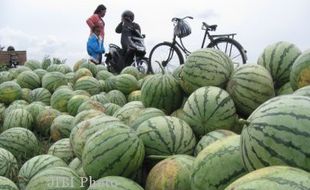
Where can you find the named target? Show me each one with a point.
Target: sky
(57, 28)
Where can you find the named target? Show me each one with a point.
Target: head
(100, 10)
(128, 16)
(10, 48)
(96, 30)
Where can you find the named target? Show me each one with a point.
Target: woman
(96, 19)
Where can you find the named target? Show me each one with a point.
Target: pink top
(95, 19)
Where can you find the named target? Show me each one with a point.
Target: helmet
(128, 15)
(182, 29)
(11, 48)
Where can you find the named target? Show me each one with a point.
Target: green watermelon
(103, 75)
(165, 136)
(278, 59)
(162, 91)
(18, 118)
(62, 68)
(75, 102)
(249, 86)
(52, 80)
(77, 64)
(7, 184)
(62, 149)
(89, 84)
(61, 127)
(8, 165)
(89, 66)
(91, 104)
(44, 121)
(76, 165)
(28, 79)
(40, 94)
(111, 108)
(144, 115)
(35, 165)
(134, 96)
(218, 165)
(172, 173)
(5, 76)
(300, 73)
(9, 92)
(125, 83)
(277, 133)
(128, 111)
(116, 97)
(304, 91)
(40, 73)
(284, 89)
(33, 64)
(131, 70)
(60, 99)
(112, 152)
(208, 109)
(84, 115)
(205, 67)
(81, 73)
(273, 177)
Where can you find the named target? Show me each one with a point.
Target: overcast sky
(57, 27)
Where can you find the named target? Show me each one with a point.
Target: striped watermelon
(76, 165)
(128, 111)
(5, 76)
(34, 109)
(273, 177)
(62, 149)
(52, 80)
(116, 97)
(103, 75)
(101, 68)
(40, 94)
(77, 64)
(21, 142)
(33, 64)
(61, 127)
(40, 73)
(218, 165)
(100, 98)
(250, 86)
(7, 184)
(89, 66)
(162, 91)
(132, 71)
(62, 68)
(113, 151)
(304, 91)
(89, 84)
(28, 79)
(82, 72)
(18, 118)
(84, 115)
(60, 99)
(111, 108)
(277, 133)
(8, 165)
(114, 183)
(209, 108)
(91, 104)
(278, 59)
(144, 115)
(205, 67)
(125, 83)
(75, 102)
(2, 111)
(55, 178)
(9, 92)
(102, 85)
(300, 73)
(212, 137)
(284, 89)
(35, 165)
(82, 131)
(16, 71)
(12, 107)
(165, 136)
(134, 96)
(172, 173)
(45, 119)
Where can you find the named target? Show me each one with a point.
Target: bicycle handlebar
(175, 19)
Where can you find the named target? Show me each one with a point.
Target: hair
(100, 8)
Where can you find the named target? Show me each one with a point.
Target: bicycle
(169, 54)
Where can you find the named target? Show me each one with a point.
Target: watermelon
(114, 183)
(81, 73)
(84, 115)
(62, 68)
(40, 94)
(77, 64)
(28, 79)
(273, 177)
(101, 68)
(16, 71)
(7, 184)
(9, 92)
(33, 64)
(165, 136)
(162, 91)
(91, 104)
(89, 84)
(111, 108)
(304, 91)
(40, 73)
(100, 98)
(5, 76)
(249, 86)
(103, 75)
(125, 83)
(45, 119)
(55, 178)
(300, 73)
(218, 165)
(144, 115)
(172, 173)
(60, 99)
(277, 133)
(113, 151)
(62, 149)
(8, 165)
(61, 127)
(89, 66)
(21, 142)
(35, 165)
(52, 80)
(284, 89)
(205, 67)
(210, 138)
(209, 108)
(128, 111)
(76, 165)
(116, 97)
(82, 131)
(278, 59)
(18, 118)
(134, 96)
(131, 70)
(74, 103)
(34, 109)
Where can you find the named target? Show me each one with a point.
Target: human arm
(92, 21)
(119, 28)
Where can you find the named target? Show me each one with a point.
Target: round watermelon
(300, 73)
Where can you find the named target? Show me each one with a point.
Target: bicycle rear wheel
(167, 55)
(230, 47)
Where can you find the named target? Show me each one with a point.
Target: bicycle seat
(209, 27)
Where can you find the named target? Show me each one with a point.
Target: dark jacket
(126, 28)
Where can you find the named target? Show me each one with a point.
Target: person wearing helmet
(127, 28)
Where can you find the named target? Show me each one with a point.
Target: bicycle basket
(182, 29)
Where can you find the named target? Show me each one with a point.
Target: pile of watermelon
(207, 125)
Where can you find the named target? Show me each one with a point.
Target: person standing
(96, 20)
(95, 47)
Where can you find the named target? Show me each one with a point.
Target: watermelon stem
(161, 67)
(243, 122)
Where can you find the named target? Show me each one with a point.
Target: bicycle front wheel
(167, 55)
(231, 48)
